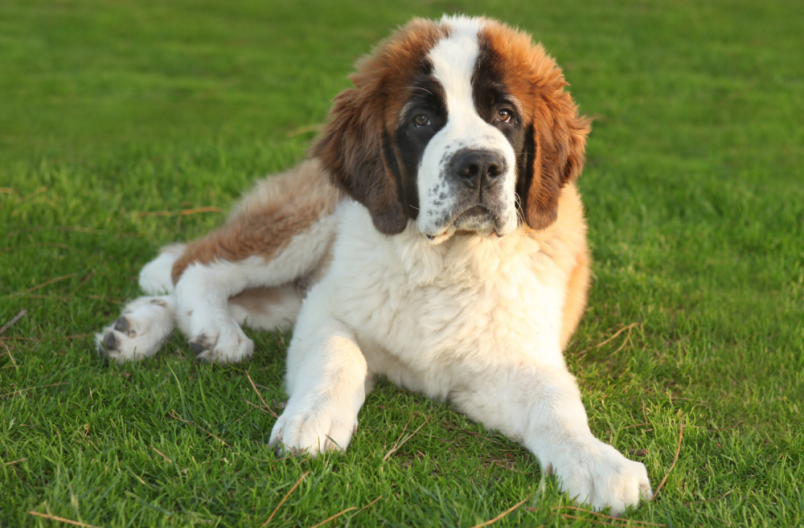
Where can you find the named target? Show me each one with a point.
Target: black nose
(478, 167)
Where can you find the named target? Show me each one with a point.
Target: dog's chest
(425, 309)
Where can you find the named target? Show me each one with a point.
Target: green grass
(695, 198)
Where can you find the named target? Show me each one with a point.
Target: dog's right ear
(355, 148)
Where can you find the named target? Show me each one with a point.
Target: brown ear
(558, 139)
(356, 146)
(356, 150)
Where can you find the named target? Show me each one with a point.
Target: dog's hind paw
(139, 332)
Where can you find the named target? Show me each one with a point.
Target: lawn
(129, 124)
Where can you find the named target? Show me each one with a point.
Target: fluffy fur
(435, 237)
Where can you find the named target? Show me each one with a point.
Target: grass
(695, 202)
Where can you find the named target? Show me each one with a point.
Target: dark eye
(506, 116)
(421, 120)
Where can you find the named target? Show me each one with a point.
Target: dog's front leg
(326, 382)
(541, 408)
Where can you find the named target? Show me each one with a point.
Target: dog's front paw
(218, 338)
(599, 475)
(139, 332)
(313, 428)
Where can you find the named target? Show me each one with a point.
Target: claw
(110, 341)
(198, 348)
(121, 325)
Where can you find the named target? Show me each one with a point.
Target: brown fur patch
(267, 219)
(564, 241)
(575, 303)
(558, 132)
(355, 146)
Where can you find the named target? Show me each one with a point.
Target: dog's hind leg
(267, 308)
(155, 277)
(280, 234)
(147, 322)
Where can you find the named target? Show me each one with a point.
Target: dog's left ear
(355, 149)
(556, 142)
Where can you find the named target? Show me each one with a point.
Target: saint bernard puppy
(435, 236)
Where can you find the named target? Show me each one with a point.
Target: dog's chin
(477, 220)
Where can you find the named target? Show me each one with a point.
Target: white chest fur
(431, 317)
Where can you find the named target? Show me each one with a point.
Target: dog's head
(460, 125)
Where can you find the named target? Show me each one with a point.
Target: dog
(434, 236)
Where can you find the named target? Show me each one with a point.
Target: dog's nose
(478, 167)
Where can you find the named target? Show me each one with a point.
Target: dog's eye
(505, 116)
(421, 120)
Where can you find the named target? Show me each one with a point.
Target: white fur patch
(155, 277)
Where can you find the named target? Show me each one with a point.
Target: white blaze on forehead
(454, 61)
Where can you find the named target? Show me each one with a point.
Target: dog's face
(462, 125)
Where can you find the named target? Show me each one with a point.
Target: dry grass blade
(176, 416)
(400, 444)
(255, 406)
(86, 279)
(13, 320)
(304, 129)
(51, 281)
(461, 429)
(634, 425)
(42, 244)
(503, 514)
(15, 462)
(325, 521)
(62, 519)
(183, 212)
(709, 500)
(34, 194)
(405, 428)
(627, 339)
(593, 521)
(675, 459)
(590, 512)
(209, 209)
(733, 426)
(620, 331)
(76, 229)
(286, 497)
(10, 355)
(366, 507)
(268, 409)
(163, 455)
(17, 338)
(30, 388)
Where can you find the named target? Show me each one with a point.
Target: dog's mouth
(473, 214)
(476, 218)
